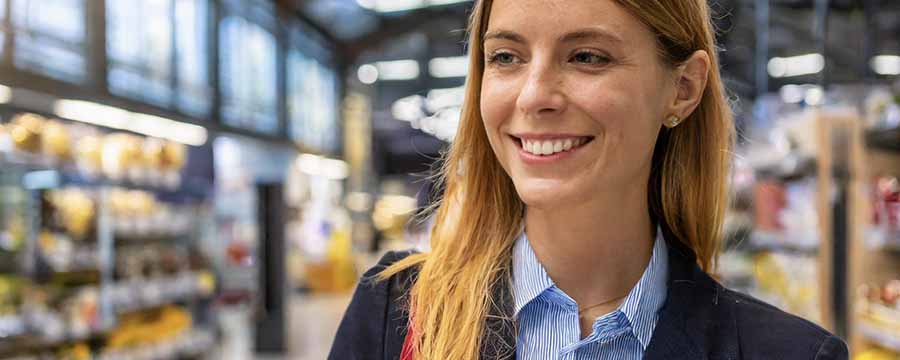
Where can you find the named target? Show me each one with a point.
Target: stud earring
(672, 121)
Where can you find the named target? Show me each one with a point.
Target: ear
(690, 84)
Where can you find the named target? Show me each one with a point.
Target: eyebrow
(591, 34)
(584, 34)
(504, 35)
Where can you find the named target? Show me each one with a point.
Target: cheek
(625, 108)
(497, 106)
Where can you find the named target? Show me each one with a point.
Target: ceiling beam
(390, 28)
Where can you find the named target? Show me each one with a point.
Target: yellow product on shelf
(786, 277)
(26, 131)
(877, 354)
(56, 140)
(206, 282)
(76, 209)
(154, 153)
(174, 156)
(335, 271)
(149, 327)
(17, 228)
(121, 153)
(89, 153)
(10, 295)
(79, 351)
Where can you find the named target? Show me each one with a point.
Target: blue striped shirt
(547, 318)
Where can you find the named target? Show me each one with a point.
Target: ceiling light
(5, 94)
(449, 67)
(814, 96)
(403, 5)
(439, 99)
(445, 2)
(397, 70)
(886, 64)
(408, 108)
(144, 124)
(321, 166)
(792, 94)
(391, 5)
(367, 74)
(796, 65)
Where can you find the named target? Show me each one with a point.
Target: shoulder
(767, 332)
(374, 322)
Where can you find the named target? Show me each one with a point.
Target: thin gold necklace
(582, 310)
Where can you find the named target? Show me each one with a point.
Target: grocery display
(98, 244)
(875, 254)
(878, 312)
(813, 224)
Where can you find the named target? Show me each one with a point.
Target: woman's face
(573, 97)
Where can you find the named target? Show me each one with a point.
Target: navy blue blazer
(700, 320)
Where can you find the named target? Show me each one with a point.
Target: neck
(595, 250)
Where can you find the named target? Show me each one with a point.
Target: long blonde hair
(480, 215)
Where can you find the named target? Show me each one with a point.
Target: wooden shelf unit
(874, 153)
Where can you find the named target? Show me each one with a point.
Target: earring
(672, 121)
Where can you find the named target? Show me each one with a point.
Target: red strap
(407, 352)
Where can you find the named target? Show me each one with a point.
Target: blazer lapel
(499, 342)
(693, 324)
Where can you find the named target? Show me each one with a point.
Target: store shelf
(789, 168)
(23, 344)
(186, 190)
(26, 160)
(760, 241)
(128, 296)
(881, 337)
(195, 342)
(884, 139)
(67, 174)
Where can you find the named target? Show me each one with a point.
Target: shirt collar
(640, 307)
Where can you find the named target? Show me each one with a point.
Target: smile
(550, 146)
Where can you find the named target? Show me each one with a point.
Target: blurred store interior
(207, 179)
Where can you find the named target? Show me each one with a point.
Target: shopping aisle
(314, 321)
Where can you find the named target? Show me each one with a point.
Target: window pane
(312, 102)
(50, 37)
(248, 65)
(139, 46)
(194, 91)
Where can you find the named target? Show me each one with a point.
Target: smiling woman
(583, 203)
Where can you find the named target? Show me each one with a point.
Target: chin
(545, 193)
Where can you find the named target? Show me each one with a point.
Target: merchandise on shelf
(788, 281)
(119, 157)
(320, 236)
(785, 215)
(879, 315)
(95, 226)
(138, 214)
(885, 230)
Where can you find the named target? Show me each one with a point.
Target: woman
(584, 196)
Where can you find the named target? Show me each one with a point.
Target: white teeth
(549, 147)
(546, 147)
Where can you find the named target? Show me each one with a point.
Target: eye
(503, 58)
(590, 58)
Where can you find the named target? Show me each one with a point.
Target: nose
(541, 94)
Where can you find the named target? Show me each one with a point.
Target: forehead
(552, 18)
